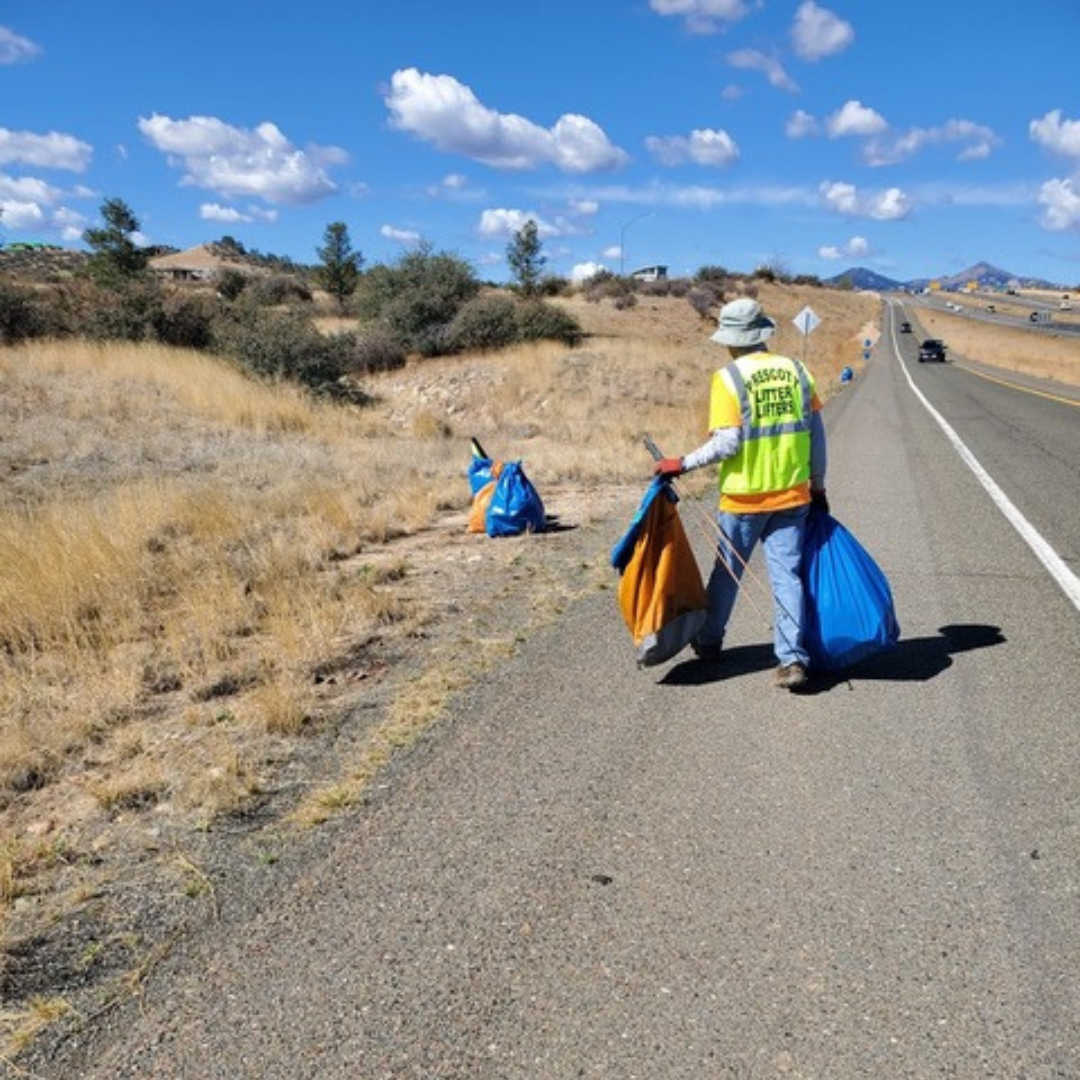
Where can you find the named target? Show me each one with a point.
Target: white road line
(1065, 578)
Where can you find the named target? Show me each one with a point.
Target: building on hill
(650, 273)
(196, 264)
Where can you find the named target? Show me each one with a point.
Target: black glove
(818, 501)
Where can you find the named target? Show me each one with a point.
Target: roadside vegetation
(232, 546)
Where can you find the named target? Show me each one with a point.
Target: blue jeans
(781, 535)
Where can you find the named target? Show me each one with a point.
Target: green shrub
(281, 345)
(370, 351)
(129, 311)
(20, 317)
(231, 283)
(416, 299)
(487, 322)
(277, 290)
(553, 285)
(537, 321)
(186, 320)
(703, 298)
(715, 275)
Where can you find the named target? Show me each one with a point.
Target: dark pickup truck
(932, 349)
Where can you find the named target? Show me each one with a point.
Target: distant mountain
(984, 274)
(860, 278)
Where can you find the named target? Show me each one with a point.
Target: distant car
(905, 328)
(932, 349)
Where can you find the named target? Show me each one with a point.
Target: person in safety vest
(766, 431)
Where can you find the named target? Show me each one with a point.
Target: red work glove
(669, 468)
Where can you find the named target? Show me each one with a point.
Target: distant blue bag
(515, 506)
(481, 473)
(850, 614)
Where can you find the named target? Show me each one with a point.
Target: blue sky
(914, 138)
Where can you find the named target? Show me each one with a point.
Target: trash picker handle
(652, 448)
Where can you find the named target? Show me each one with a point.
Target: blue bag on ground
(850, 614)
(482, 471)
(515, 506)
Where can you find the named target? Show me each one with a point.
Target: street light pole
(622, 240)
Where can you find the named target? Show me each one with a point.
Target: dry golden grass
(199, 574)
(1043, 355)
(175, 537)
(174, 533)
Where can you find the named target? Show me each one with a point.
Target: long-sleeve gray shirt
(725, 442)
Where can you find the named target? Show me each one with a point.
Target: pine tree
(340, 270)
(116, 257)
(524, 256)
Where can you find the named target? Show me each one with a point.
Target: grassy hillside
(223, 602)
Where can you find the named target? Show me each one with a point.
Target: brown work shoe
(791, 676)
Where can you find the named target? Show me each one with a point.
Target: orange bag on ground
(482, 500)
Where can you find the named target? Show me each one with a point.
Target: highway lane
(1026, 437)
(1011, 311)
(681, 873)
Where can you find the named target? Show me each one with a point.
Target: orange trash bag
(481, 500)
(661, 594)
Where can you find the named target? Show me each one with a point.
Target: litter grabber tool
(727, 554)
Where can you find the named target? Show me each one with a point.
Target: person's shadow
(910, 660)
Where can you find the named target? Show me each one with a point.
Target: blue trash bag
(481, 473)
(850, 615)
(516, 506)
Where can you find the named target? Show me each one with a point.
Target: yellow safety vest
(774, 395)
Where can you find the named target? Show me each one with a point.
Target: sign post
(805, 322)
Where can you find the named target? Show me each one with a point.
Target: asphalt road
(683, 873)
(1054, 321)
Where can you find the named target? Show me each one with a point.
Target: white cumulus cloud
(702, 16)
(854, 118)
(446, 113)
(232, 161)
(702, 147)
(226, 214)
(14, 48)
(51, 151)
(976, 141)
(401, 236)
(818, 32)
(1061, 205)
(889, 205)
(30, 205)
(800, 125)
(1057, 135)
(855, 248)
(583, 271)
(503, 224)
(769, 66)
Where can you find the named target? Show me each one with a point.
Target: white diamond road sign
(806, 320)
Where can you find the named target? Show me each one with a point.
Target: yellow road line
(1016, 386)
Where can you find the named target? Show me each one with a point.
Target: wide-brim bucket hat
(742, 322)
